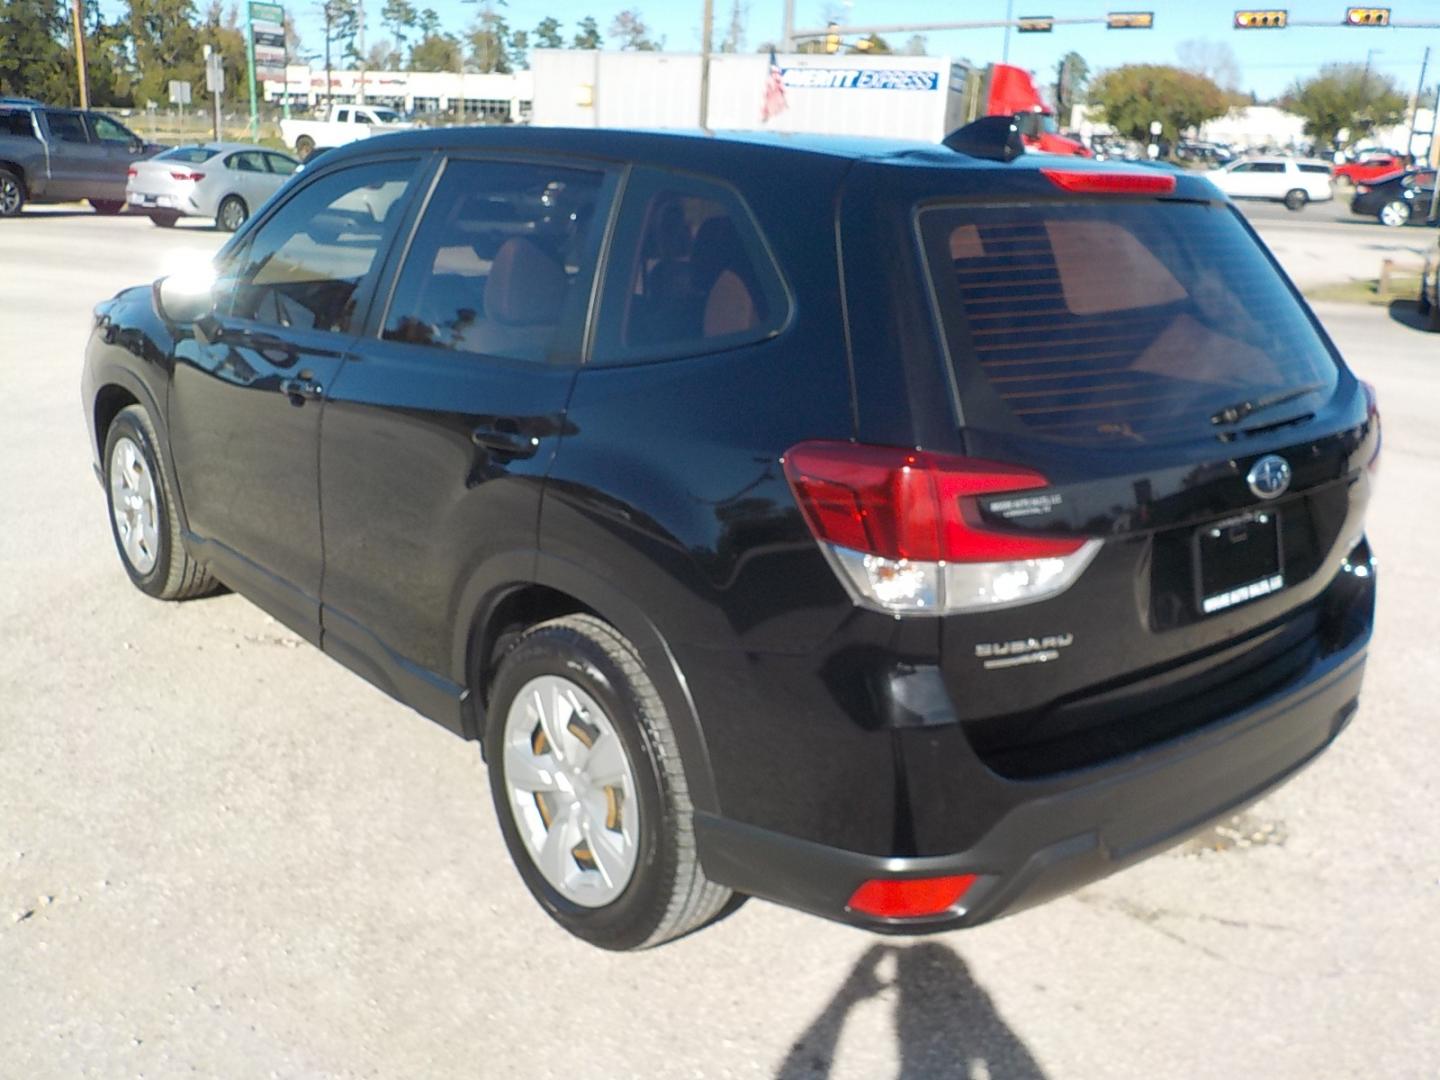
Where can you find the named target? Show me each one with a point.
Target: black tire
(304, 147)
(164, 220)
(1399, 211)
(668, 894)
(1296, 199)
(175, 574)
(231, 214)
(108, 206)
(12, 193)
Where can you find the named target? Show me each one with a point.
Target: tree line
(131, 59)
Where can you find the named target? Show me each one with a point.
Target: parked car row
(52, 155)
(220, 180)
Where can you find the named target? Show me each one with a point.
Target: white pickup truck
(345, 124)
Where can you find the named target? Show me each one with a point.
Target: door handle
(511, 444)
(301, 390)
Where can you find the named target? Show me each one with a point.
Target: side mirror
(184, 300)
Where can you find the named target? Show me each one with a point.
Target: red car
(1369, 167)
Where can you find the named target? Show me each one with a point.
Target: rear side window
(67, 127)
(1268, 167)
(190, 155)
(1126, 322)
(689, 274)
(502, 262)
(16, 122)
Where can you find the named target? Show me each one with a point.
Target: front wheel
(1394, 213)
(1296, 199)
(108, 206)
(304, 147)
(588, 785)
(232, 213)
(141, 498)
(164, 220)
(12, 194)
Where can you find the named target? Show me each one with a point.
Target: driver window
(106, 130)
(306, 263)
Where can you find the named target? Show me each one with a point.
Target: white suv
(1292, 181)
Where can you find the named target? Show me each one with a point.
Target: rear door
(440, 430)
(122, 149)
(246, 401)
(78, 165)
(1148, 364)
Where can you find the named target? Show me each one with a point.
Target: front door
(441, 427)
(122, 149)
(248, 390)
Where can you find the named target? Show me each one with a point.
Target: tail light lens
(194, 177)
(903, 529)
(132, 171)
(910, 898)
(1372, 416)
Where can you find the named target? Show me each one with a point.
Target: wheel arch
(524, 589)
(117, 388)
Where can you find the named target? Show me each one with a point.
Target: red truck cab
(1010, 91)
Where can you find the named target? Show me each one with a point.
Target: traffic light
(1367, 16)
(832, 38)
(1261, 20)
(1130, 20)
(1035, 24)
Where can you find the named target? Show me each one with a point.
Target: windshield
(1115, 322)
(191, 155)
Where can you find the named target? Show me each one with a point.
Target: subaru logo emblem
(1269, 477)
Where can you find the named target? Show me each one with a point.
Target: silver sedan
(224, 181)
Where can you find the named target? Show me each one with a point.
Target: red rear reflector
(910, 504)
(890, 898)
(187, 176)
(1108, 183)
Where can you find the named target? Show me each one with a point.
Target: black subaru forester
(905, 533)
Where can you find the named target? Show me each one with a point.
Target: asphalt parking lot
(223, 855)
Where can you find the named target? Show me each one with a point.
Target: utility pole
(706, 32)
(1009, 18)
(1415, 111)
(360, 95)
(77, 17)
(787, 36)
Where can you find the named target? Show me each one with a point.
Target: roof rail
(4, 100)
(994, 138)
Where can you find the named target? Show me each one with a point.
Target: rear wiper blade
(1233, 414)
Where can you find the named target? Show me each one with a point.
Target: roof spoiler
(994, 138)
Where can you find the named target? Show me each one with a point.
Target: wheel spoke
(523, 770)
(605, 763)
(609, 860)
(555, 860)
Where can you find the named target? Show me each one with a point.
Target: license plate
(1238, 560)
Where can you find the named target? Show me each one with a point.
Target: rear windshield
(1117, 322)
(191, 155)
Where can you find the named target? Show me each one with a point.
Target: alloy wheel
(10, 197)
(232, 215)
(1394, 214)
(133, 505)
(572, 791)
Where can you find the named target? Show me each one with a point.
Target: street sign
(179, 92)
(1262, 20)
(215, 73)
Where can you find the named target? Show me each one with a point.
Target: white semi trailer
(907, 97)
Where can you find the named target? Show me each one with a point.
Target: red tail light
(1362, 189)
(1108, 183)
(132, 171)
(909, 504)
(192, 176)
(1372, 416)
(904, 528)
(910, 898)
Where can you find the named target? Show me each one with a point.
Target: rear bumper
(1104, 820)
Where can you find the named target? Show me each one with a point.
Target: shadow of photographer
(945, 1023)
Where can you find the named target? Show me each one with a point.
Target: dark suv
(901, 534)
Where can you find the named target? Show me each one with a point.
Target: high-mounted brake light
(195, 176)
(1111, 183)
(903, 529)
(910, 898)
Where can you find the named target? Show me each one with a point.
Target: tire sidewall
(127, 426)
(630, 919)
(1295, 200)
(231, 200)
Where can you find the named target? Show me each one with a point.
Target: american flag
(775, 102)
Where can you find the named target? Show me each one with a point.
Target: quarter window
(305, 264)
(693, 277)
(502, 262)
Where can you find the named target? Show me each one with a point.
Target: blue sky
(1268, 60)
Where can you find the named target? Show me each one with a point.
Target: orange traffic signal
(1035, 24)
(1367, 16)
(1130, 20)
(1261, 20)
